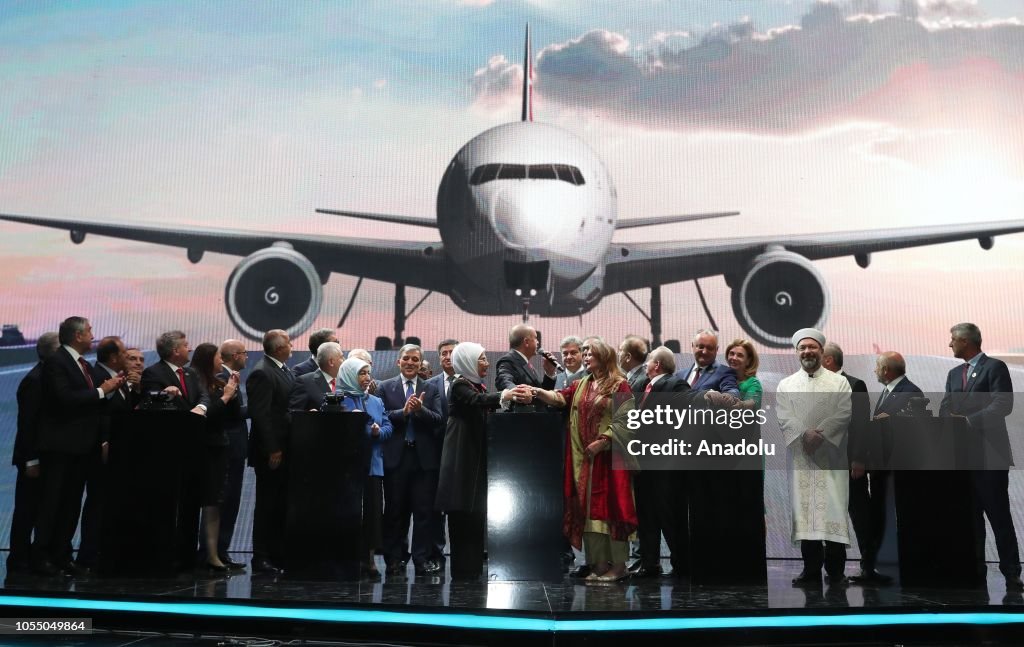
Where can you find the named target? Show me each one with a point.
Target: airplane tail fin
(528, 79)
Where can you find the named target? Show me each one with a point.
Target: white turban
(809, 333)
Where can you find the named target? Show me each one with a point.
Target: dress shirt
(75, 355)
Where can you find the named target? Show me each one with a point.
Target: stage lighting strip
(513, 623)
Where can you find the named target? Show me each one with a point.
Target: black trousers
(409, 489)
(831, 554)
(652, 492)
(992, 499)
(92, 512)
(23, 519)
(466, 534)
(238, 447)
(60, 501)
(677, 521)
(270, 512)
(867, 511)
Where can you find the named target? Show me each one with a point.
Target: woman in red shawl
(599, 511)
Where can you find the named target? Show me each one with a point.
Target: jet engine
(276, 287)
(780, 293)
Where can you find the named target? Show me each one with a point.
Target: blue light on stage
(516, 623)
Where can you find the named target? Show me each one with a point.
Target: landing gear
(655, 317)
(400, 316)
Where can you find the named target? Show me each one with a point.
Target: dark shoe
(580, 572)
(216, 568)
(1014, 583)
(76, 569)
(428, 567)
(264, 567)
(806, 578)
(871, 576)
(46, 567)
(838, 580)
(645, 572)
(233, 565)
(396, 568)
(635, 566)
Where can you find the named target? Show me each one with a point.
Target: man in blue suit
(315, 340)
(412, 458)
(980, 391)
(705, 374)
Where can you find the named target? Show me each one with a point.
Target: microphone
(551, 358)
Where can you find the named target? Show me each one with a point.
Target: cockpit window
(564, 172)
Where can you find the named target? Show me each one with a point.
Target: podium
(329, 460)
(934, 498)
(151, 512)
(524, 496)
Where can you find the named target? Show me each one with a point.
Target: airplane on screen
(526, 215)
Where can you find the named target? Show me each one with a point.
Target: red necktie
(181, 378)
(330, 386)
(86, 372)
(963, 380)
(646, 391)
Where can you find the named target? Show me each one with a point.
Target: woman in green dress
(742, 358)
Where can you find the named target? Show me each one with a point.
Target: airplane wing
(383, 217)
(664, 220)
(415, 264)
(631, 266)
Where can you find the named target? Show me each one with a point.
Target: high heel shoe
(216, 568)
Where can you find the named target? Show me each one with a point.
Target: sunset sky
(805, 116)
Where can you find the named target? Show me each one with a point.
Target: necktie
(963, 380)
(448, 385)
(409, 391)
(330, 386)
(881, 399)
(696, 376)
(86, 372)
(288, 373)
(647, 390)
(181, 378)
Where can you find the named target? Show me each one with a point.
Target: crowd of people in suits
(427, 468)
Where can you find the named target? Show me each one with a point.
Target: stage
(423, 610)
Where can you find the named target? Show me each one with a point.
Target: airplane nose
(518, 224)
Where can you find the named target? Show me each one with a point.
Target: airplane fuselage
(526, 210)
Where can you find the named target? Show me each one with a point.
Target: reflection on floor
(567, 596)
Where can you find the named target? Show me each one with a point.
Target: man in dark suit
(171, 375)
(309, 390)
(234, 356)
(864, 517)
(706, 374)
(110, 362)
(443, 382)
(412, 458)
(268, 388)
(980, 390)
(26, 458)
(632, 355)
(514, 367)
(655, 489)
(315, 339)
(69, 439)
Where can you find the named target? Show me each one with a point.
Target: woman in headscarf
(353, 378)
(462, 483)
(599, 511)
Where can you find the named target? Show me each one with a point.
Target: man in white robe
(814, 408)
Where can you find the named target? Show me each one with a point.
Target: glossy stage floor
(422, 610)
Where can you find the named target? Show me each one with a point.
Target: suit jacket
(159, 376)
(30, 400)
(986, 402)
(856, 447)
(72, 417)
(308, 392)
(423, 427)
(667, 384)
(898, 399)
(239, 425)
(714, 377)
(439, 383)
(268, 388)
(512, 370)
(639, 380)
(306, 367)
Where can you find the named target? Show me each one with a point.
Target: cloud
(789, 78)
(497, 84)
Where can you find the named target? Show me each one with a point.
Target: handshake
(521, 394)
